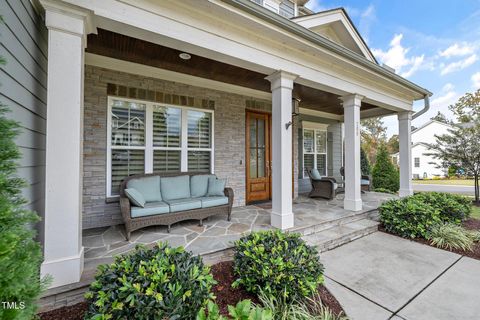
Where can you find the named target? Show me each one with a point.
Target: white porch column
(351, 106)
(282, 85)
(405, 146)
(63, 251)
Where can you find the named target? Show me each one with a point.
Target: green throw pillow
(216, 186)
(135, 197)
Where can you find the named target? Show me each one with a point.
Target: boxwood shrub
(158, 283)
(414, 216)
(408, 217)
(278, 264)
(453, 208)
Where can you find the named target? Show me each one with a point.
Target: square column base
(352, 205)
(282, 221)
(405, 192)
(63, 271)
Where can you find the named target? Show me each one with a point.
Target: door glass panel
(253, 162)
(253, 133)
(261, 162)
(308, 140)
(261, 133)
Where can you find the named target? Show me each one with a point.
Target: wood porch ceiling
(122, 47)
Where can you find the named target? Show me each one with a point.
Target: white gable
(426, 133)
(336, 26)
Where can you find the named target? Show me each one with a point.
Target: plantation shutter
(166, 126)
(166, 160)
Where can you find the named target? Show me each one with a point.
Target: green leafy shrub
(450, 236)
(20, 254)
(311, 308)
(278, 263)
(408, 217)
(157, 283)
(364, 163)
(244, 310)
(453, 208)
(384, 173)
(383, 190)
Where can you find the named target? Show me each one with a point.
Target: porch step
(335, 222)
(339, 235)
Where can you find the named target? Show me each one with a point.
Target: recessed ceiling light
(185, 56)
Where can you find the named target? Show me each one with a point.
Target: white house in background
(424, 166)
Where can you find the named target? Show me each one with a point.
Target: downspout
(425, 108)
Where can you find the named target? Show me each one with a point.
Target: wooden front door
(258, 156)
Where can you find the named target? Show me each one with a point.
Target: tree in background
(364, 163)
(393, 144)
(20, 254)
(460, 148)
(373, 134)
(440, 117)
(385, 174)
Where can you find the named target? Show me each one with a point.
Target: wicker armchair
(167, 219)
(322, 188)
(366, 181)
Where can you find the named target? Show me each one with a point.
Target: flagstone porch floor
(217, 233)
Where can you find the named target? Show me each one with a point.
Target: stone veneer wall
(229, 135)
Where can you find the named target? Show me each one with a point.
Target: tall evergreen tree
(384, 173)
(20, 254)
(364, 163)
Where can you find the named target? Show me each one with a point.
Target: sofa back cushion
(135, 197)
(315, 174)
(149, 187)
(199, 185)
(216, 186)
(175, 187)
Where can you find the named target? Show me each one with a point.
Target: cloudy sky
(434, 43)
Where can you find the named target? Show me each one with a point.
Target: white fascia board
(153, 72)
(209, 35)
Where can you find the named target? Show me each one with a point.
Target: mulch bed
(226, 295)
(470, 224)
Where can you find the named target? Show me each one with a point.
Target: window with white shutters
(314, 151)
(149, 137)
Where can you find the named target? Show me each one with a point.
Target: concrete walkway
(383, 277)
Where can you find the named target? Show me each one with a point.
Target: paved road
(467, 190)
(382, 277)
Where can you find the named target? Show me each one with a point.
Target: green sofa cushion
(216, 186)
(149, 187)
(135, 197)
(175, 187)
(208, 202)
(184, 204)
(199, 185)
(151, 208)
(316, 175)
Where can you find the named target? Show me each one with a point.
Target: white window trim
(149, 148)
(315, 128)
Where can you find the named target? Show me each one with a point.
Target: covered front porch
(110, 70)
(216, 236)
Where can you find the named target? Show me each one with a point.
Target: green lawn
(475, 212)
(455, 182)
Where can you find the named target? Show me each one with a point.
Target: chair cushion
(208, 202)
(175, 187)
(135, 197)
(184, 204)
(149, 187)
(199, 185)
(151, 208)
(216, 186)
(365, 182)
(315, 174)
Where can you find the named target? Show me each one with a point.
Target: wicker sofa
(171, 198)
